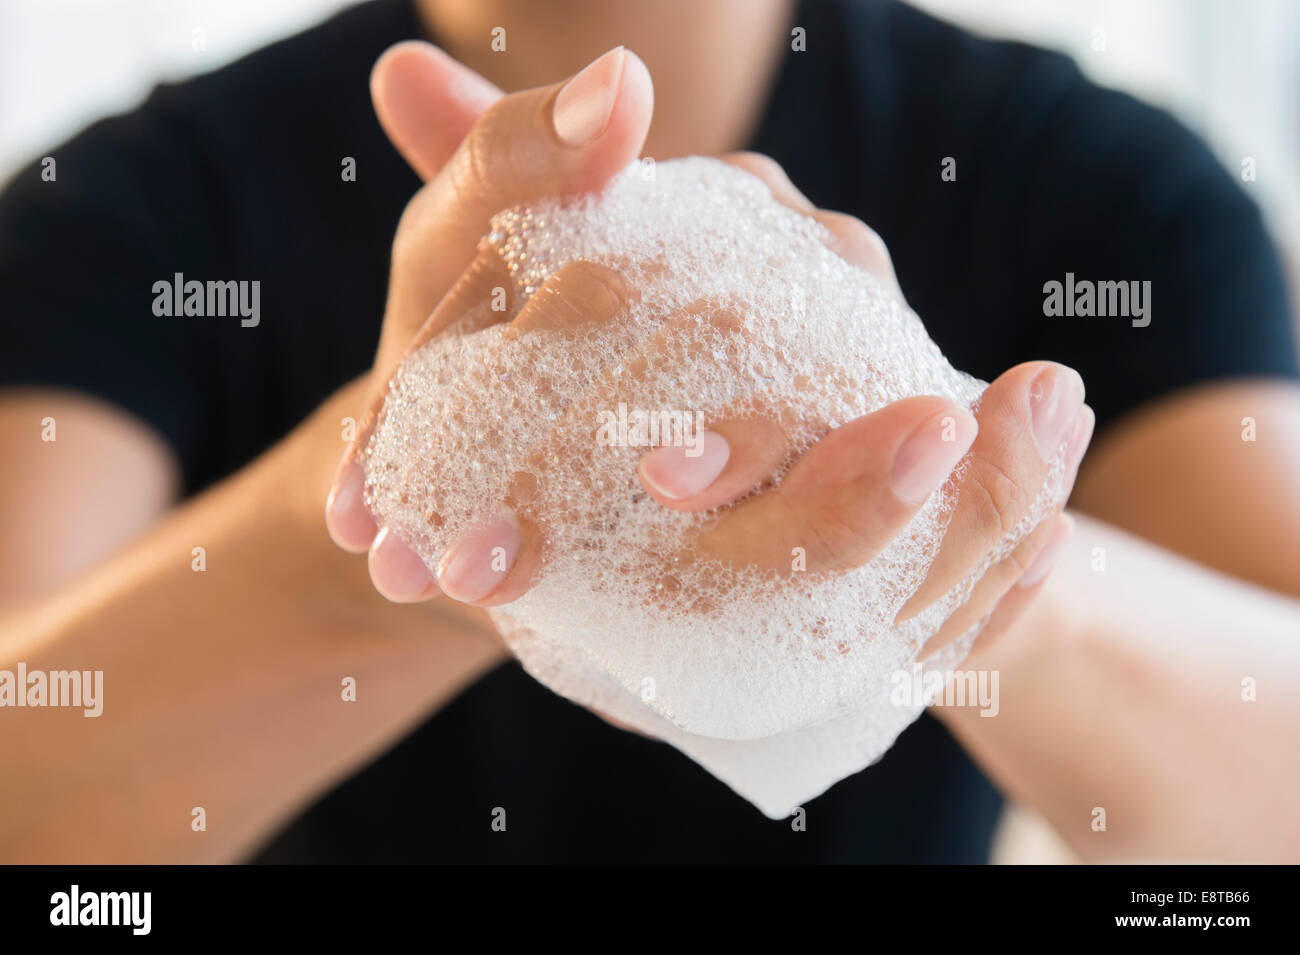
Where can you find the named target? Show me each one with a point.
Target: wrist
(284, 510)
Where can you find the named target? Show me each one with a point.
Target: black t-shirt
(236, 175)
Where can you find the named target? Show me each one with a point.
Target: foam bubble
(780, 684)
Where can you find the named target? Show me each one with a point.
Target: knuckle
(592, 287)
(997, 498)
(484, 156)
(774, 176)
(578, 294)
(871, 242)
(762, 165)
(472, 171)
(859, 241)
(874, 243)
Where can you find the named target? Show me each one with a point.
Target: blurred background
(1229, 69)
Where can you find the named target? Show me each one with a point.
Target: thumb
(557, 140)
(426, 102)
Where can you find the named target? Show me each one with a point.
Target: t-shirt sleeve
(1120, 192)
(82, 242)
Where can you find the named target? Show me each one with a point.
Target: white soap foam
(778, 683)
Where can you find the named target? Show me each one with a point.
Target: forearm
(1126, 687)
(222, 688)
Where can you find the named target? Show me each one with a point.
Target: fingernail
(926, 458)
(583, 107)
(1080, 436)
(681, 472)
(346, 514)
(397, 571)
(1055, 397)
(476, 564)
(347, 489)
(1046, 558)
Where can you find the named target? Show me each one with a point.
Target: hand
(482, 152)
(843, 502)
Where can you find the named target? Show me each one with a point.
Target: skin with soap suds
(809, 341)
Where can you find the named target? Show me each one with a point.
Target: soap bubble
(778, 683)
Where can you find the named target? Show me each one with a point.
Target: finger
(849, 496)
(397, 572)
(495, 562)
(857, 243)
(581, 294)
(1004, 602)
(578, 295)
(851, 238)
(696, 469)
(1025, 416)
(1028, 563)
(708, 469)
(1023, 565)
(555, 140)
(745, 445)
(427, 102)
(347, 519)
(774, 177)
(470, 304)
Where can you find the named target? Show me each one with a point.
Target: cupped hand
(842, 502)
(480, 152)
